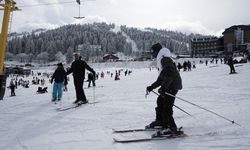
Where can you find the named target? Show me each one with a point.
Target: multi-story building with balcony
(235, 39)
(206, 47)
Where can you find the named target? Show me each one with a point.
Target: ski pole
(146, 93)
(94, 94)
(175, 105)
(232, 121)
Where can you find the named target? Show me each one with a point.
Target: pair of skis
(162, 137)
(74, 106)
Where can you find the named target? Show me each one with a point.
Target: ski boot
(154, 125)
(169, 132)
(53, 100)
(82, 102)
(76, 102)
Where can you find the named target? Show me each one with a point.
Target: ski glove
(150, 88)
(162, 91)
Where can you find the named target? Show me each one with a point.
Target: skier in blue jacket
(59, 77)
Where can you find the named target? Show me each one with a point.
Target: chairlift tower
(7, 7)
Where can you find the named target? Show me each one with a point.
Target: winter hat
(156, 48)
(76, 53)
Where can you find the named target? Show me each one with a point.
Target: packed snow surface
(29, 121)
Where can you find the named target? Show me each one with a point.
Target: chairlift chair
(79, 10)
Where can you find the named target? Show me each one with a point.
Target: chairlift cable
(44, 4)
(55, 3)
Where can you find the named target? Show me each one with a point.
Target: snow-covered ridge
(20, 35)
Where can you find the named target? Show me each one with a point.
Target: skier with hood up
(169, 81)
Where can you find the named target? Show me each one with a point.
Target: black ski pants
(78, 82)
(93, 82)
(164, 109)
(13, 91)
(232, 70)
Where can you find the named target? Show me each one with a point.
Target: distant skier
(59, 77)
(185, 66)
(230, 62)
(12, 88)
(91, 78)
(78, 68)
(169, 81)
(117, 76)
(102, 75)
(189, 65)
(179, 66)
(206, 62)
(126, 72)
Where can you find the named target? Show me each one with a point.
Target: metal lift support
(7, 7)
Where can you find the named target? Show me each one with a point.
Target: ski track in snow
(30, 121)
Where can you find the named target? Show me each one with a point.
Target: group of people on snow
(187, 66)
(169, 82)
(78, 68)
(15, 82)
(116, 73)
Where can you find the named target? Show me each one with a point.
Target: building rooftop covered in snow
(110, 57)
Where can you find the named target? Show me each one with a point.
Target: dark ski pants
(93, 83)
(13, 92)
(80, 96)
(232, 70)
(164, 109)
(159, 108)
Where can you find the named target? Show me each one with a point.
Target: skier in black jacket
(91, 78)
(78, 68)
(170, 82)
(59, 76)
(231, 64)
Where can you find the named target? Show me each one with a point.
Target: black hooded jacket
(78, 68)
(59, 75)
(169, 77)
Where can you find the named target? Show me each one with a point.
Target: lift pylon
(7, 7)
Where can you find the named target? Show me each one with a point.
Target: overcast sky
(196, 16)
